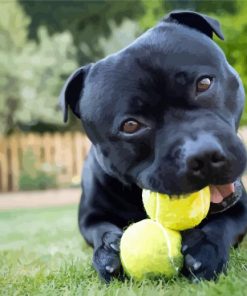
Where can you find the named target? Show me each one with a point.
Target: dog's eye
(130, 126)
(203, 84)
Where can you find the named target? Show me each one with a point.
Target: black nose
(205, 160)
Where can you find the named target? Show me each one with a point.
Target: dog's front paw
(204, 256)
(106, 259)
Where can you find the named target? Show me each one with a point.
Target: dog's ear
(72, 90)
(198, 21)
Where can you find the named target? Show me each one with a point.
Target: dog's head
(163, 112)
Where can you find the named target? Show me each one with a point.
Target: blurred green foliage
(31, 73)
(42, 42)
(235, 44)
(155, 10)
(33, 177)
(87, 21)
(219, 7)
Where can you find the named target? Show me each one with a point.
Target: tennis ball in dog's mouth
(147, 249)
(177, 212)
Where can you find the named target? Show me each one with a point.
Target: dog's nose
(203, 163)
(205, 159)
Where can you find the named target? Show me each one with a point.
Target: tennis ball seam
(168, 243)
(166, 238)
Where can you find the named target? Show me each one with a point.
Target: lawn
(42, 253)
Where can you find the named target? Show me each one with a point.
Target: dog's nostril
(195, 165)
(217, 157)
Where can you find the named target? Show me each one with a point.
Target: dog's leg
(105, 238)
(206, 248)
(106, 207)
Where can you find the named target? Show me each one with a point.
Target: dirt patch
(47, 198)
(37, 199)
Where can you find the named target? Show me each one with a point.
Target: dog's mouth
(219, 192)
(224, 196)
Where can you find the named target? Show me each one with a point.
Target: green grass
(42, 253)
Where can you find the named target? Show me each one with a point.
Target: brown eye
(203, 84)
(131, 126)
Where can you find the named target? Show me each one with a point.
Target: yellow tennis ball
(177, 212)
(148, 249)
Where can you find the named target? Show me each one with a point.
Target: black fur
(154, 81)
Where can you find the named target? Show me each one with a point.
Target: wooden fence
(63, 151)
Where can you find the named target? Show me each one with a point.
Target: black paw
(106, 259)
(205, 255)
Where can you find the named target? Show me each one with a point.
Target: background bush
(34, 176)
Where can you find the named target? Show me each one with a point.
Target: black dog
(162, 114)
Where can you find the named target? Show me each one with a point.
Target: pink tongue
(219, 192)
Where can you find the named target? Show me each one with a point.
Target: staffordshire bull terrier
(162, 114)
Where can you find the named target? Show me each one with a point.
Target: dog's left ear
(198, 21)
(72, 91)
